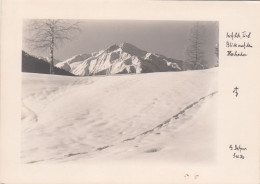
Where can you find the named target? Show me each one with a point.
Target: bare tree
(194, 56)
(49, 34)
(217, 54)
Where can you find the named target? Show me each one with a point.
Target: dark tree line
(32, 64)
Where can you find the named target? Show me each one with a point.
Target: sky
(169, 38)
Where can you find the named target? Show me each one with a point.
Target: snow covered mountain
(119, 59)
(47, 59)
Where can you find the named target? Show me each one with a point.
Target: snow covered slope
(164, 116)
(119, 59)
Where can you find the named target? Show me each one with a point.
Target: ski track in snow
(171, 120)
(33, 115)
(177, 116)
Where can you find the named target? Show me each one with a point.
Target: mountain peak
(112, 48)
(126, 44)
(131, 49)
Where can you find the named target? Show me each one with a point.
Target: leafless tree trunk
(47, 34)
(217, 54)
(194, 57)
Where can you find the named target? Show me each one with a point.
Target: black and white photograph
(119, 90)
(129, 92)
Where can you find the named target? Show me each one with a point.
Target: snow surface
(157, 116)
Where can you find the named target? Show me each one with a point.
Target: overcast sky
(169, 38)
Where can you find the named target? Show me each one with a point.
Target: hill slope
(33, 64)
(115, 117)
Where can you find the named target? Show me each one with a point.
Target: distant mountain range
(34, 64)
(47, 59)
(119, 59)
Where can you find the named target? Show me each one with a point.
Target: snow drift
(158, 116)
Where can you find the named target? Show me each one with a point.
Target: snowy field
(168, 116)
